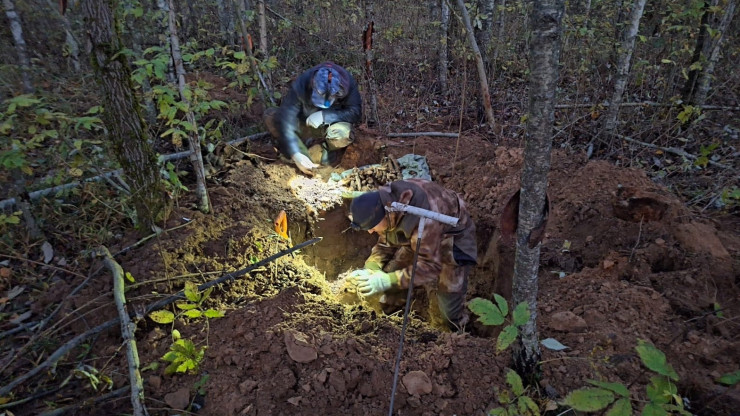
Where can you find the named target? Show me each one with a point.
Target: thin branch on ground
(647, 104)
(74, 342)
(673, 150)
(127, 332)
(424, 133)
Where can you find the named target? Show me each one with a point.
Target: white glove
(373, 283)
(315, 120)
(304, 163)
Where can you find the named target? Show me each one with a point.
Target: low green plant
(515, 400)
(192, 307)
(184, 356)
(496, 314)
(93, 376)
(662, 393)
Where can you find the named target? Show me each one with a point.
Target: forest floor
(622, 260)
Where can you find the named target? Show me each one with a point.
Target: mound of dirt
(612, 272)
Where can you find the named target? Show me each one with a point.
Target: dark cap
(366, 211)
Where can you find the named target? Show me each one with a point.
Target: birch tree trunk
(263, 28)
(623, 67)
(129, 138)
(196, 157)
(164, 7)
(485, 94)
(544, 56)
(14, 21)
(698, 95)
(444, 15)
(367, 44)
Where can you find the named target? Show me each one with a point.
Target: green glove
(375, 282)
(373, 265)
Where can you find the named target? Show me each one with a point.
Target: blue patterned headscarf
(327, 86)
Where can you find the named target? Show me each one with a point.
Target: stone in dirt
(299, 349)
(567, 322)
(178, 400)
(417, 383)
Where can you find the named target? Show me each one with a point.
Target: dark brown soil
(288, 345)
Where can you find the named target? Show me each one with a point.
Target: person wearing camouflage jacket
(445, 253)
(313, 124)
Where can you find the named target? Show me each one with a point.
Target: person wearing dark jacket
(446, 254)
(320, 108)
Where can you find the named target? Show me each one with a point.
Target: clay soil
(622, 260)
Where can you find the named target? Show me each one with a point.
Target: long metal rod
(424, 213)
(406, 310)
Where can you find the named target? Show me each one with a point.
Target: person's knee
(339, 135)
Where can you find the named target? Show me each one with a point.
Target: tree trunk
(367, 44)
(241, 13)
(444, 15)
(128, 137)
(544, 56)
(146, 87)
(226, 21)
(485, 94)
(700, 92)
(486, 7)
(164, 7)
(196, 157)
(14, 21)
(501, 25)
(70, 42)
(263, 28)
(623, 67)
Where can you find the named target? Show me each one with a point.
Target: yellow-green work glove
(374, 282)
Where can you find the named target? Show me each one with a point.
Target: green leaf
(170, 356)
(186, 306)
(655, 360)
(176, 335)
(730, 379)
(653, 409)
(488, 313)
(499, 411)
(660, 389)
(506, 337)
(521, 314)
(618, 388)
(513, 379)
(193, 313)
(130, 277)
(212, 313)
(502, 305)
(589, 399)
(162, 317)
(622, 407)
(526, 403)
(239, 55)
(191, 292)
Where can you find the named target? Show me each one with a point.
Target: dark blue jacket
(297, 106)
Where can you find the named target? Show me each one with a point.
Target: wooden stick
(648, 104)
(425, 133)
(7, 203)
(673, 150)
(74, 342)
(127, 332)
